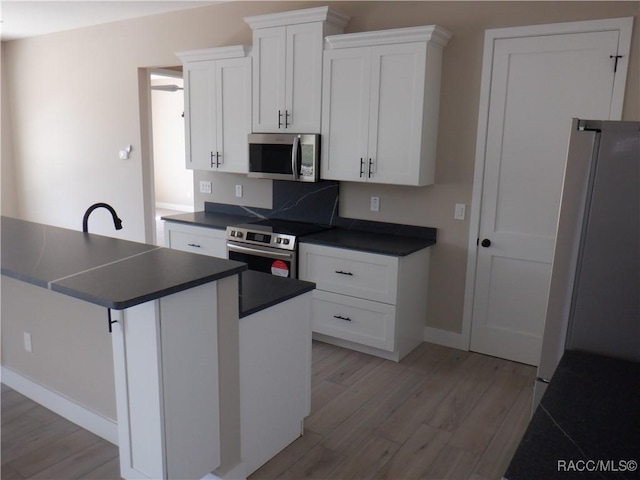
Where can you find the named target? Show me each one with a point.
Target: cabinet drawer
(353, 319)
(194, 243)
(350, 272)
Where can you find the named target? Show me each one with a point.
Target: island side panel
(229, 375)
(136, 356)
(176, 366)
(275, 378)
(71, 357)
(189, 335)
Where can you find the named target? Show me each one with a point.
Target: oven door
(267, 260)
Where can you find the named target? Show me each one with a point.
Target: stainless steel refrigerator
(594, 295)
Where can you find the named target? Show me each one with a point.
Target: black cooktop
(284, 227)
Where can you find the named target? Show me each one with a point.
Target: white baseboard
(445, 338)
(175, 206)
(63, 406)
(234, 473)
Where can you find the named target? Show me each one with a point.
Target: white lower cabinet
(366, 301)
(354, 319)
(202, 240)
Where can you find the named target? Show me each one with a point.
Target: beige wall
(71, 345)
(73, 103)
(8, 187)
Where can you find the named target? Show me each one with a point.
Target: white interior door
(538, 84)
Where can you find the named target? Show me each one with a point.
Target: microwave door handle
(294, 156)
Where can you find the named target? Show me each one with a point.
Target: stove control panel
(267, 239)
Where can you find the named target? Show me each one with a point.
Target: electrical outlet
(460, 211)
(375, 204)
(205, 187)
(238, 190)
(27, 342)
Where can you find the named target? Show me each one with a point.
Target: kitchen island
(174, 318)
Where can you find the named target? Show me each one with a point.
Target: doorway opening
(172, 182)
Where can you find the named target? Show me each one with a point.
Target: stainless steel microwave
(282, 156)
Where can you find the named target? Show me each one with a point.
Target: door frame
(146, 145)
(624, 26)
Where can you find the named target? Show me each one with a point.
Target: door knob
(486, 243)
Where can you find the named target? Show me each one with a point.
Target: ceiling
(29, 18)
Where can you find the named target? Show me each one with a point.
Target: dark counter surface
(374, 237)
(260, 290)
(589, 413)
(106, 271)
(219, 221)
(381, 243)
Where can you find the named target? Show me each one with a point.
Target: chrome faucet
(116, 221)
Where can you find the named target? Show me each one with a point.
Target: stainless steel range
(269, 245)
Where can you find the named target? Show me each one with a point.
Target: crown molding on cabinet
(430, 33)
(217, 53)
(308, 15)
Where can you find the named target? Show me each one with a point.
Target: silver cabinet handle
(340, 317)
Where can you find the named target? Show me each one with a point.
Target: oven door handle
(259, 252)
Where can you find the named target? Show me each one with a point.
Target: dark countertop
(381, 243)
(106, 271)
(219, 221)
(589, 413)
(261, 290)
(374, 237)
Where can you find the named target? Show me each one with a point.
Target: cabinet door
(205, 241)
(233, 114)
(397, 101)
(354, 319)
(303, 77)
(199, 114)
(345, 114)
(269, 58)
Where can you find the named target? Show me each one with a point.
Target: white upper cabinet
(287, 68)
(217, 108)
(380, 105)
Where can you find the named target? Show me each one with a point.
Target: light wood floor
(439, 414)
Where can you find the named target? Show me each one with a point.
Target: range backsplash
(316, 203)
(295, 201)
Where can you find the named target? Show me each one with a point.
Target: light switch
(375, 204)
(460, 211)
(238, 190)
(205, 187)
